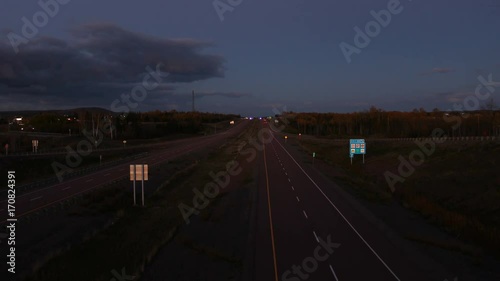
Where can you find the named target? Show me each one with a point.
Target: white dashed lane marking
(316, 236)
(333, 272)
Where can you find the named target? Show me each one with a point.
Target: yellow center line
(270, 217)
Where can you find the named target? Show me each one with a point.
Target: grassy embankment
(457, 187)
(138, 233)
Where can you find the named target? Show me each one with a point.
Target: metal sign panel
(132, 172)
(145, 172)
(138, 172)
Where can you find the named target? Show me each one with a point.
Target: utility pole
(193, 101)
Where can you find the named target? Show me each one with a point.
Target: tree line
(376, 122)
(131, 125)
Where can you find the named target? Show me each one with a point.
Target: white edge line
(340, 213)
(67, 187)
(89, 180)
(333, 272)
(36, 198)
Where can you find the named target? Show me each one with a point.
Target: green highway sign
(357, 146)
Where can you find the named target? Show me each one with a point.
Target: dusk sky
(262, 54)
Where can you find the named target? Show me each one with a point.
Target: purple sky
(263, 54)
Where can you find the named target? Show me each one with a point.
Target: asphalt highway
(305, 231)
(38, 199)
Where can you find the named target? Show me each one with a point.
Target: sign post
(34, 144)
(314, 156)
(132, 178)
(357, 146)
(139, 172)
(142, 178)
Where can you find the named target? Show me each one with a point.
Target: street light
(124, 143)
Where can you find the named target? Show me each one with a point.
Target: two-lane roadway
(306, 232)
(38, 199)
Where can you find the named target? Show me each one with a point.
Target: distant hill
(28, 113)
